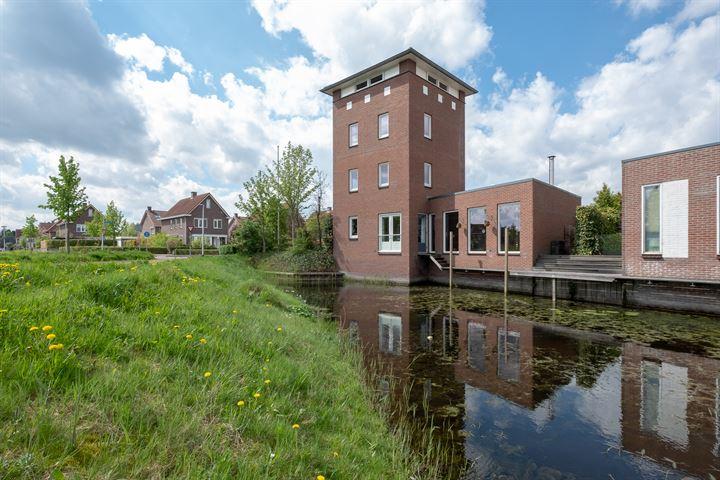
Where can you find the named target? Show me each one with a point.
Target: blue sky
(159, 98)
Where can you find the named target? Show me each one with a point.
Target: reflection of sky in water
(574, 434)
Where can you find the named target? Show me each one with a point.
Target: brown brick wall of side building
(700, 166)
(360, 257)
(553, 217)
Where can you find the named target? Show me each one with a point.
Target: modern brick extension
(399, 173)
(676, 195)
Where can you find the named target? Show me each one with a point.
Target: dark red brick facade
(700, 166)
(546, 211)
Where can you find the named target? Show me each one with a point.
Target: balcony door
(450, 222)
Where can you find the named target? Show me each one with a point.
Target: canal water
(516, 393)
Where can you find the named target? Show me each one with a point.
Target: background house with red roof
(195, 217)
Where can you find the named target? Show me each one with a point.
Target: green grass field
(185, 369)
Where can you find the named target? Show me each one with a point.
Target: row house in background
(194, 217)
(150, 221)
(399, 180)
(671, 214)
(78, 227)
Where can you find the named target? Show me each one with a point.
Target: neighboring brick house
(77, 228)
(48, 229)
(235, 223)
(185, 219)
(150, 221)
(671, 209)
(399, 176)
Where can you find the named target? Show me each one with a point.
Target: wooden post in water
(451, 261)
(507, 268)
(554, 286)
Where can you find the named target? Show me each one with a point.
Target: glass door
(422, 233)
(450, 224)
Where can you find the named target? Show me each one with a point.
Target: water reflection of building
(670, 404)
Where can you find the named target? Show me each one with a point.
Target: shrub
(248, 238)
(302, 242)
(227, 249)
(320, 260)
(171, 243)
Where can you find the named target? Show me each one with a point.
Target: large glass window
(427, 126)
(353, 228)
(383, 175)
(477, 230)
(353, 134)
(353, 180)
(509, 219)
(427, 174)
(383, 126)
(389, 232)
(651, 219)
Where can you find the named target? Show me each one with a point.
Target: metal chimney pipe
(551, 169)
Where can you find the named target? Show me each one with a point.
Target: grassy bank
(185, 369)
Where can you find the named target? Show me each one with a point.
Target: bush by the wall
(186, 251)
(227, 249)
(611, 244)
(320, 260)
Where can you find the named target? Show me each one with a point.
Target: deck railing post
(451, 260)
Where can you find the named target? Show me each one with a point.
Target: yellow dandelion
(336, 454)
(207, 374)
(50, 336)
(27, 284)
(56, 346)
(241, 403)
(295, 426)
(47, 328)
(267, 360)
(279, 329)
(203, 341)
(176, 326)
(157, 312)
(256, 395)
(33, 328)
(235, 311)
(188, 336)
(320, 477)
(267, 382)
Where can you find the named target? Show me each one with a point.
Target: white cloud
(637, 7)
(145, 53)
(664, 93)
(352, 36)
(697, 9)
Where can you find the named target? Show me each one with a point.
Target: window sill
(652, 256)
(353, 239)
(381, 187)
(478, 253)
(427, 138)
(352, 191)
(353, 146)
(383, 138)
(389, 253)
(510, 254)
(427, 186)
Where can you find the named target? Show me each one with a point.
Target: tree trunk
(67, 234)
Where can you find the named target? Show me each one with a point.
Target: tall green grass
(156, 357)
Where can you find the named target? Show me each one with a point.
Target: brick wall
(700, 167)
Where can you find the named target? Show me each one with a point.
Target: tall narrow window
(427, 174)
(383, 126)
(389, 232)
(422, 233)
(425, 90)
(477, 230)
(450, 221)
(383, 175)
(651, 225)
(353, 134)
(509, 219)
(353, 182)
(217, 223)
(353, 228)
(427, 126)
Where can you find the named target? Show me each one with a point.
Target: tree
(95, 227)
(293, 178)
(30, 231)
(320, 187)
(128, 230)
(65, 197)
(598, 224)
(262, 205)
(114, 221)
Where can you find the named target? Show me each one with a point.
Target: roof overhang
(409, 53)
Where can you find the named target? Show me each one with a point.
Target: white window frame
(357, 229)
(444, 230)
(391, 233)
(367, 98)
(80, 228)
(499, 230)
(427, 133)
(380, 182)
(425, 89)
(217, 223)
(357, 135)
(440, 98)
(348, 106)
(452, 105)
(207, 203)
(357, 180)
(469, 227)
(385, 115)
(427, 174)
(642, 219)
(386, 91)
(199, 222)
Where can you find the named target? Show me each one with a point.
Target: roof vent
(551, 169)
(193, 194)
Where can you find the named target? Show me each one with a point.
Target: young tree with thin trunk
(114, 221)
(258, 205)
(320, 187)
(292, 176)
(95, 226)
(65, 197)
(30, 231)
